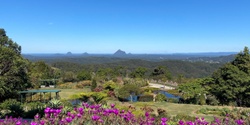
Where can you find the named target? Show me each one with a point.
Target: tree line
(229, 85)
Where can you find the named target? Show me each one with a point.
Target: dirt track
(160, 86)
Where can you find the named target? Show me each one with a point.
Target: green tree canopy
(13, 68)
(84, 75)
(128, 90)
(40, 70)
(232, 81)
(161, 73)
(139, 72)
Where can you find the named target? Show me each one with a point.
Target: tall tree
(242, 61)
(139, 72)
(13, 68)
(232, 81)
(161, 73)
(40, 70)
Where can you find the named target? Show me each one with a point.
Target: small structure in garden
(51, 83)
(41, 93)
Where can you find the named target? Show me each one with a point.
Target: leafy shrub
(85, 96)
(160, 98)
(75, 96)
(150, 89)
(162, 113)
(67, 109)
(33, 108)
(202, 111)
(138, 113)
(66, 103)
(93, 84)
(174, 92)
(184, 117)
(68, 85)
(83, 84)
(55, 103)
(173, 100)
(202, 99)
(110, 85)
(145, 98)
(98, 96)
(98, 89)
(211, 100)
(84, 75)
(111, 94)
(12, 108)
(214, 111)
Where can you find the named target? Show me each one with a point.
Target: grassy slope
(174, 108)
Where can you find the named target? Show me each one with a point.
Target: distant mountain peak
(85, 53)
(69, 53)
(119, 53)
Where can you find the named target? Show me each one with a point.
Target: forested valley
(120, 79)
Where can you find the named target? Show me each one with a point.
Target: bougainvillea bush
(102, 115)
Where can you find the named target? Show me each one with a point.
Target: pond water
(168, 95)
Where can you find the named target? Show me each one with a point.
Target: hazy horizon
(134, 26)
(135, 53)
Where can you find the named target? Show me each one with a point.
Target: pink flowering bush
(99, 115)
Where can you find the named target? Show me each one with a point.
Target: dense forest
(175, 67)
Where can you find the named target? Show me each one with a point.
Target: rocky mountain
(120, 53)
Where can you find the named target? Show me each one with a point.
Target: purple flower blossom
(146, 114)
(47, 110)
(68, 114)
(239, 121)
(79, 115)
(112, 105)
(95, 117)
(164, 119)
(33, 123)
(42, 122)
(68, 119)
(181, 122)
(36, 116)
(58, 111)
(18, 123)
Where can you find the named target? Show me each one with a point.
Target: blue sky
(135, 26)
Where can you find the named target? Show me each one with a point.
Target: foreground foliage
(98, 114)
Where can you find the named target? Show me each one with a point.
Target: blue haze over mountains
(210, 57)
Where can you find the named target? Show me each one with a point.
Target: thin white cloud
(50, 23)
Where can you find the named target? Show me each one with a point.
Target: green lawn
(66, 93)
(174, 108)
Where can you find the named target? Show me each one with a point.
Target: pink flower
(112, 105)
(18, 123)
(164, 119)
(33, 123)
(68, 119)
(95, 117)
(42, 122)
(36, 116)
(239, 121)
(79, 115)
